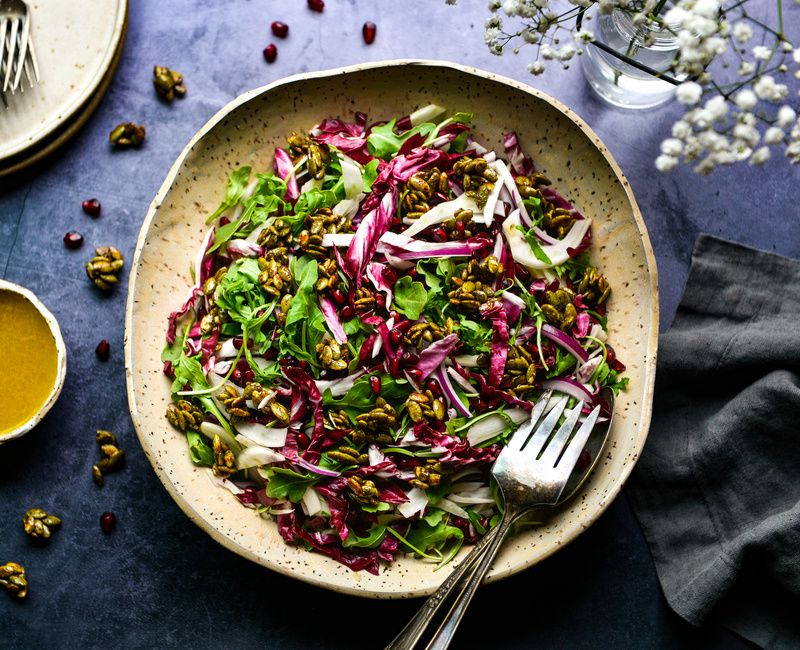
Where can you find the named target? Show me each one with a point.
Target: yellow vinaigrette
(28, 361)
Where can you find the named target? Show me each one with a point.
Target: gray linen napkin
(717, 489)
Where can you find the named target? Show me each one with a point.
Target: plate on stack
(78, 47)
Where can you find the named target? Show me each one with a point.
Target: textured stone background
(160, 581)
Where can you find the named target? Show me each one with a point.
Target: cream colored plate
(75, 45)
(245, 133)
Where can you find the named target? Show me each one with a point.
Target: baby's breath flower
(566, 52)
(689, 93)
(681, 129)
(762, 53)
(745, 99)
(537, 67)
(742, 32)
(760, 156)
(665, 163)
(773, 135)
(672, 147)
(585, 36)
(766, 88)
(547, 52)
(530, 36)
(796, 56)
(717, 106)
(746, 68)
(786, 116)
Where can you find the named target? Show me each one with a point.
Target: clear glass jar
(620, 83)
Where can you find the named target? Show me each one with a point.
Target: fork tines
(16, 53)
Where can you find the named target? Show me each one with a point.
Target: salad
(369, 324)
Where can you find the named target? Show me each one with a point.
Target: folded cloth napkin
(717, 489)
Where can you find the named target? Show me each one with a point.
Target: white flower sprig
(727, 120)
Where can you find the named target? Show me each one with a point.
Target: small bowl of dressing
(33, 362)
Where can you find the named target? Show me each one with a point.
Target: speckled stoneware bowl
(61, 360)
(246, 132)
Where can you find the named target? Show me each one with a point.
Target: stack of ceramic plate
(78, 47)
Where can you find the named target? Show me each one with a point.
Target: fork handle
(444, 635)
(415, 628)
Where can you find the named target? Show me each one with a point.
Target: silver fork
(531, 472)
(16, 45)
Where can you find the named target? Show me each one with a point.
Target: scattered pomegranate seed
(375, 384)
(103, 350)
(412, 272)
(368, 32)
(460, 226)
(236, 376)
(440, 234)
(280, 29)
(380, 300)
(584, 460)
(395, 336)
(410, 359)
(338, 297)
(108, 522)
(348, 312)
(303, 439)
(91, 207)
(271, 354)
(73, 240)
(303, 364)
(237, 342)
(414, 373)
(271, 53)
(479, 406)
(433, 386)
(316, 5)
(249, 375)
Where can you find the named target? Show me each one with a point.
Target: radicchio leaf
(521, 164)
(370, 230)
(494, 311)
(284, 169)
(432, 356)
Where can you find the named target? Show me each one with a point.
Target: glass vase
(627, 64)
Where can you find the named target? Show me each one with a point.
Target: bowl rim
(652, 342)
(61, 360)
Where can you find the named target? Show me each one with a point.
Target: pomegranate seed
(103, 350)
(236, 376)
(375, 384)
(280, 29)
(412, 272)
(410, 359)
(338, 297)
(479, 406)
(380, 301)
(91, 207)
(440, 234)
(302, 440)
(395, 336)
(389, 274)
(302, 364)
(433, 386)
(237, 342)
(271, 53)
(394, 367)
(73, 240)
(316, 5)
(394, 314)
(368, 32)
(415, 373)
(108, 522)
(271, 354)
(584, 460)
(460, 226)
(224, 221)
(348, 312)
(249, 375)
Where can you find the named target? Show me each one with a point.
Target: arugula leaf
(443, 538)
(288, 484)
(239, 292)
(474, 334)
(373, 538)
(433, 516)
(189, 371)
(564, 361)
(461, 117)
(369, 174)
(538, 252)
(237, 182)
(410, 297)
(383, 142)
(360, 397)
(314, 199)
(199, 450)
(305, 323)
(608, 378)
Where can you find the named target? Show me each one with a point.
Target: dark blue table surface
(159, 580)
